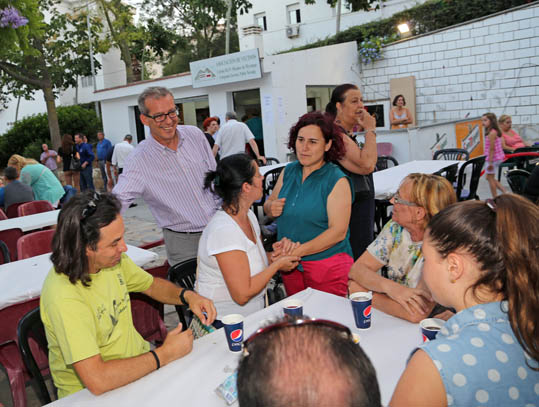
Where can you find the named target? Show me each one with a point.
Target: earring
(452, 281)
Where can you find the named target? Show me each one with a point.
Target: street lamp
(404, 30)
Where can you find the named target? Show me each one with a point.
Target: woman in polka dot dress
(482, 259)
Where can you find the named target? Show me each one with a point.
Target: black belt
(183, 233)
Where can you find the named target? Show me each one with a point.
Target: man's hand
(276, 207)
(202, 307)
(177, 344)
(84, 164)
(263, 159)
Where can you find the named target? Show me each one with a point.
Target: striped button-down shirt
(171, 182)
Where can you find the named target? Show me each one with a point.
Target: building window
(86, 81)
(293, 13)
(260, 20)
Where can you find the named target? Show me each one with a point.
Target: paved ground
(141, 228)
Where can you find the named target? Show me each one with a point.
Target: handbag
(74, 164)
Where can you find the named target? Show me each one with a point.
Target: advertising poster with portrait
(469, 136)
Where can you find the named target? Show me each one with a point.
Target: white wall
(318, 21)
(487, 65)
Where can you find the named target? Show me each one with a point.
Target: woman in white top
(233, 268)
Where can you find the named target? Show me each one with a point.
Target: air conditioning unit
(292, 31)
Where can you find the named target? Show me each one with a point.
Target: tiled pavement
(140, 228)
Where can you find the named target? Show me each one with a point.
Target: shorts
(495, 166)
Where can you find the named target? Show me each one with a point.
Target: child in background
(493, 151)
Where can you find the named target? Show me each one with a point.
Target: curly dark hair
(79, 225)
(397, 98)
(329, 129)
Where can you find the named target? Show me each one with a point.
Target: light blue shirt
(480, 360)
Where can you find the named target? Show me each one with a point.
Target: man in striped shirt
(167, 170)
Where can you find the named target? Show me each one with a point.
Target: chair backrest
(451, 154)
(31, 208)
(529, 149)
(4, 253)
(33, 346)
(384, 148)
(270, 179)
(384, 162)
(471, 193)
(184, 275)
(10, 238)
(517, 179)
(272, 160)
(34, 244)
(12, 210)
(3, 215)
(449, 173)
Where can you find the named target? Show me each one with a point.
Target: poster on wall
(469, 136)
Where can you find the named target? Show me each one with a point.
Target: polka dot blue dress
(481, 362)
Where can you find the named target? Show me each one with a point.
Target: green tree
(201, 25)
(46, 54)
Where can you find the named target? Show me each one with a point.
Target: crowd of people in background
(473, 264)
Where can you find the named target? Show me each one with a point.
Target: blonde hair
(431, 192)
(503, 118)
(19, 162)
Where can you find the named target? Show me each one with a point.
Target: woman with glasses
(398, 248)
(233, 268)
(312, 202)
(481, 258)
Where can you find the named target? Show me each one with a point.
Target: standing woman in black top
(66, 151)
(346, 105)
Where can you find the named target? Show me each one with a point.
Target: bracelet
(371, 131)
(156, 359)
(182, 298)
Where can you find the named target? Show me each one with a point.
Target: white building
(459, 72)
(287, 24)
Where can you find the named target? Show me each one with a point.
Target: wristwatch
(182, 298)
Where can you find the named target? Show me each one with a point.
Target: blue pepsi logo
(367, 312)
(236, 335)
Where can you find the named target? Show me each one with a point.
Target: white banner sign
(236, 67)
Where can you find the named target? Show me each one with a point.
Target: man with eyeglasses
(85, 304)
(167, 170)
(305, 362)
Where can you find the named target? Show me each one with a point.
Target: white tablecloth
(386, 182)
(22, 280)
(31, 222)
(191, 380)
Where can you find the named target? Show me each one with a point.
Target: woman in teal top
(312, 203)
(44, 183)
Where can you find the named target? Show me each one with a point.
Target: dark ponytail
(228, 178)
(337, 96)
(503, 237)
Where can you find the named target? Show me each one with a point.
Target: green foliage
(356, 4)
(27, 135)
(429, 16)
(199, 24)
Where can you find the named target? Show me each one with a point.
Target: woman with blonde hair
(510, 138)
(399, 248)
(482, 259)
(44, 183)
(66, 153)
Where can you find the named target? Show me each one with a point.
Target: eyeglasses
(162, 117)
(294, 322)
(397, 199)
(91, 206)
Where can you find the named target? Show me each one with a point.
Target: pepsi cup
(361, 305)
(233, 324)
(430, 327)
(293, 308)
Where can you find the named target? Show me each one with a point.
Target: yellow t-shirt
(81, 322)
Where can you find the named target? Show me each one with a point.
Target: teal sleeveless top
(305, 213)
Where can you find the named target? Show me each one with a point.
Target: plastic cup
(361, 305)
(430, 327)
(293, 308)
(233, 324)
